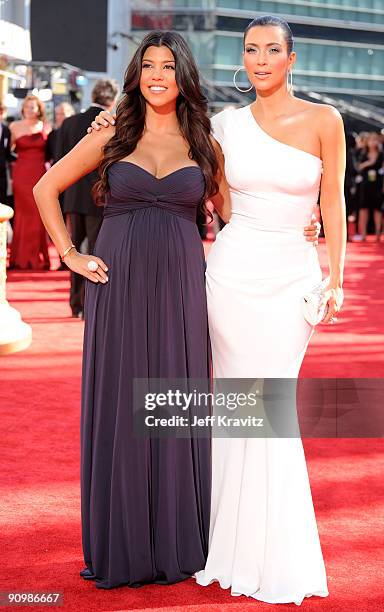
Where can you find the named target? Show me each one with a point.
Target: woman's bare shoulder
(16, 125)
(322, 112)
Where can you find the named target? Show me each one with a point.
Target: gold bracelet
(67, 251)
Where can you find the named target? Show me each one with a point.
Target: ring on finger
(92, 265)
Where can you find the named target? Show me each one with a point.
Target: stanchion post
(15, 335)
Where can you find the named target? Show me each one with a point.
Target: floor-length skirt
(145, 502)
(263, 541)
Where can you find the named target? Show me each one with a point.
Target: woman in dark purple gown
(145, 502)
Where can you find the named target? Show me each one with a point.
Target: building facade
(339, 43)
(15, 43)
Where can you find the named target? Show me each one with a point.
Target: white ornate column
(15, 335)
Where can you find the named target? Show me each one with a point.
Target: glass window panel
(228, 4)
(362, 62)
(247, 5)
(363, 3)
(309, 57)
(315, 11)
(266, 7)
(348, 60)
(306, 9)
(228, 50)
(377, 63)
(300, 10)
(207, 4)
(331, 58)
(202, 45)
(224, 76)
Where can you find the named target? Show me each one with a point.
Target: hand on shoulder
(105, 119)
(101, 137)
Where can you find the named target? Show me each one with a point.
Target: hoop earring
(290, 81)
(235, 84)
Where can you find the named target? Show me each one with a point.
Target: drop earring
(290, 81)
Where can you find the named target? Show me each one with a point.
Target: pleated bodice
(134, 188)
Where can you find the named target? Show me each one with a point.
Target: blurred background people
(369, 162)
(350, 184)
(62, 111)
(85, 217)
(29, 248)
(5, 155)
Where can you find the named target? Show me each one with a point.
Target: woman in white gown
(264, 541)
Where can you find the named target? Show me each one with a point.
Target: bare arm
(81, 160)
(332, 203)
(222, 200)
(372, 159)
(12, 129)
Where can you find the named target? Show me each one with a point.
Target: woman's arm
(371, 161)
(222, 200)
(332, 203)
(81, 160)
(13, 130)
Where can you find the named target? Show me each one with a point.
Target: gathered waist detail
(134, 204)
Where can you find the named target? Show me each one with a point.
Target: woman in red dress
(29, 247)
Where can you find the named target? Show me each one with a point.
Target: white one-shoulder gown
(264, 541)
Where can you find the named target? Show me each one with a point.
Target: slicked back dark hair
(272, 20)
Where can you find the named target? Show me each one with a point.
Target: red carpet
(40, 509)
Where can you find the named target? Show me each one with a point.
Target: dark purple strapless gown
(145, 503)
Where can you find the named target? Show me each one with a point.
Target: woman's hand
(79, 263)
(312, 231)
(103, 119)
(333, 298)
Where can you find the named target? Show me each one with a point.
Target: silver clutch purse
(314, 310)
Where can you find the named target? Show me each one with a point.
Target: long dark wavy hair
(191, 109)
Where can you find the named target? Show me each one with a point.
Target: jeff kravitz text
(208, 421)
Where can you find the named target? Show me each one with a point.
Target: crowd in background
(28, 147)
(364, 184)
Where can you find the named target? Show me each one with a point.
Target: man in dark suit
(85, 217)
(5, 155)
